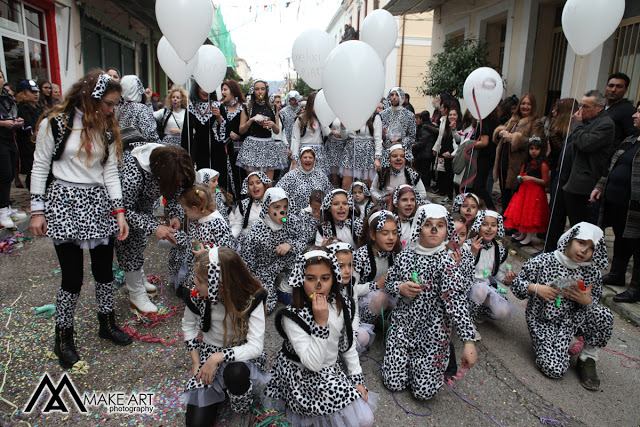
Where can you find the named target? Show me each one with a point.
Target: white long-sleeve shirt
(236, 219)
(175, 121)
(394, 181)
(309, 138)
(366, 133)
(72, 165)
(438, 144)
(317, 353)
(486, 262)
(254, 344)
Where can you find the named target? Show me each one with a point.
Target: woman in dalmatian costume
(227, 307)
(308, 131)
(247, 211)
(555, 316)
(362, 152)
(424, 278)
(146, 173)
(289, 113)
(82, 208)
(204, 176)
(271, 245)
(300, 182)
(399, 125)
(134, 113)
(405, 202)
(259, 151)
(316, 377)
(361, 198)
(339, 219)
(398, 173)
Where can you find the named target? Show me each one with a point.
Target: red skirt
(528, 211)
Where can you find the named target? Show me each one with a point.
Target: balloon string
(564, 149)
(469, 156)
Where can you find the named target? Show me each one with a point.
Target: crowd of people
(266, 205)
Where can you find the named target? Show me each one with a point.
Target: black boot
(630, 295)
(588, 374)
(615, 276)
(65, 348)
(109, 330)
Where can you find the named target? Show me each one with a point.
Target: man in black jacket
(619, 108)
(592, 135)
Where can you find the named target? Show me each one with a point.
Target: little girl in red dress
(528, 211)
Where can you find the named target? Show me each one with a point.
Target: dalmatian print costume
(459, 200)
(315, 371)
(203, 176)
(404, 231)
(299, 184)
(387, 179)
(133, 113)
(346, 231)
(361, 150)
(334, 148)
(288, 115)
(367, 204)
(247, 211)
(258, 249)
(417, 350)
(399, 123)
(311, 136)
(208, 315)
(552, 326)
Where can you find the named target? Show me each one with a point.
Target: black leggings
(8, 165)
(70, 257)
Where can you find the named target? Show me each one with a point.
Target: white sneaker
(5, 218)
(17, 214)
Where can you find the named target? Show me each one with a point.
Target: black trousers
(70, 257)
(445, 179)
(8, 165)
(578, 209)
(623, 249)
(480, 187)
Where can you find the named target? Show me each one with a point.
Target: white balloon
(322, 109)
(177, 70)
(309, 52)
(185, 23)
(352, 81)
(588, 23)
(380, 31)
(210, 67)
(488, 91)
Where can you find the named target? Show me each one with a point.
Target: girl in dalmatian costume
(228, 307)
(247, 211)
(490, 268)
(316, 376)
(362, 198)
(82, 208)
(210, 178)
(371, 262)
(399, 125)
(289, 113)
(555, 316)
(468, 204)
(300, 182)
(362, 152)
(309, 132)
(388, 178)
(272, 244)
(425, 278)
(334, 149)
(146, 173)
(259, 151)
(405, 202)
(133, 112)
(339, 221)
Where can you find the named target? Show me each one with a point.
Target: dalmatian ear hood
(396, 195)
(482, 215)
(203, 176)
(296, 279)
(383, 216)
(132, 89)
(459, 200)
(365, 188)
(430, 211)
(400, 93)
(336, 247)
(584, 231)
(245, 183)
(142, 154)
(293, 94)
(272, 195)
(328, 199)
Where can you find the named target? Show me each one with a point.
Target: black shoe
(612, 279)
(588, 374)
(65, 348)
(109, 330)
(630, 295)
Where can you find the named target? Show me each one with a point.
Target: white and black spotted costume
(258, 249)
(133, 113)
(288, 115)
(404, 232)
(311, 136)
(203, 176)
(552, 326)
(334, 148)
(314, 374)
(387, 179)
(299, 184)
(399, 124)
(208, 315)
(361, 149)
(417, 351)
(247, 211)
(346, 231)
(168, 120)
(367, 204)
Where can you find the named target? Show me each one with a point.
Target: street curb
(22, 225)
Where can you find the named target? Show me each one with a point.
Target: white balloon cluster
(351, 75)
(185, 25)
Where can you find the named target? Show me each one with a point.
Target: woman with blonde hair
(171, 118)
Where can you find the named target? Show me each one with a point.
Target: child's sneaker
(588, 374)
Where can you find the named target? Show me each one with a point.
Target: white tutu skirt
(482, 293)
(356, 414)
(365, 329)
(262, 154)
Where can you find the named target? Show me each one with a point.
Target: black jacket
(423, 148)
(622, 115)
(591, 141)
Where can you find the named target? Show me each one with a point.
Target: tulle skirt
(528, 210)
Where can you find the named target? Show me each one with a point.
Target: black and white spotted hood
(296, 279)
(587, 231)
(143, 153)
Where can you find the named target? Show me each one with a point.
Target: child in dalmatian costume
(316, 376)
(339, 221)
(425, 278)
(247, 211)
(300, 182)
(272, 244)
(399, 125)
(468, 205)
(398, 173)
(490, 269)
(82, 208)
(405, 202)
(210, 178)
(145, 173)
(228, 307)
(362, 198)
(555, 316)
(132, 112)
(362, 152)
